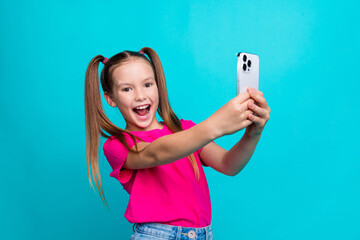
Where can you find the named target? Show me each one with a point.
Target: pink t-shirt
(167, 194)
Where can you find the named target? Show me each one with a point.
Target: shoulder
(111, 142)
(114, 147)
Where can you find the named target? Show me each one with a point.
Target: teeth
(143, 107)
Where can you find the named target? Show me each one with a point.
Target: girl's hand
(231, 117)
(262, 113)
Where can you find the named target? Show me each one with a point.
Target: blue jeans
(157, 231)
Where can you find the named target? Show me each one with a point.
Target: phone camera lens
(244, 58)
(249, 63)
(244, 67)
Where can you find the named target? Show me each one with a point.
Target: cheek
(156, 92)
(124, 99)
(124, 103)
(155, 97)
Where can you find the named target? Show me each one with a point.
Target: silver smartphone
(247, 72)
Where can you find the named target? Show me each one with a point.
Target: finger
(259, 98)
(242, 97)
(255, 119)
(247, 123)
(254, 90)
(245, 105)
(258, 110)
(247, 113)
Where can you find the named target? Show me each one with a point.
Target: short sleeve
(116, 153)
(189, 124)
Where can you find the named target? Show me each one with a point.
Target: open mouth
(142, 112)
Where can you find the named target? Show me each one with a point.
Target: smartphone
(247, 72)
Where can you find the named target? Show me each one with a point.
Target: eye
(149, 83)
(125, 89)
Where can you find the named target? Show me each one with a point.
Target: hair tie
(105, 60)
(141, 52)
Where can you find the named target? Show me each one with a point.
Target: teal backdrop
(302, 181)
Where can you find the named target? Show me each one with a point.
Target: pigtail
(164, 109)
(92, 109)
(95, 120)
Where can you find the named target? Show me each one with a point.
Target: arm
(239, 155)
(229, 119)
(233, 161)
(229, 162)
(172, 147)
(169, 148)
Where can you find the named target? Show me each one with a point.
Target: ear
(109, 99)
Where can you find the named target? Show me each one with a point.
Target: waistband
(173, 232)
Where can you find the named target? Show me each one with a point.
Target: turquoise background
(303, 179)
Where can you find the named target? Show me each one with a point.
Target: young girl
(160, 163)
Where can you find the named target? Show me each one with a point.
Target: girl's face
(135, 86)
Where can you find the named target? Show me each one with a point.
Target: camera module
(244, 58)
(249, 63)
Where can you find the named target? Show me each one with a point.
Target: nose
(140, 95)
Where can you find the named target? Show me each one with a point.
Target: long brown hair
(96, 119)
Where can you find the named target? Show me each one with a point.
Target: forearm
(239, 155)
(170, 148)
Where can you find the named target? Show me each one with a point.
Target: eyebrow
(130, 83)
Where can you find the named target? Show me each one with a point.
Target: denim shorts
(157, 231)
